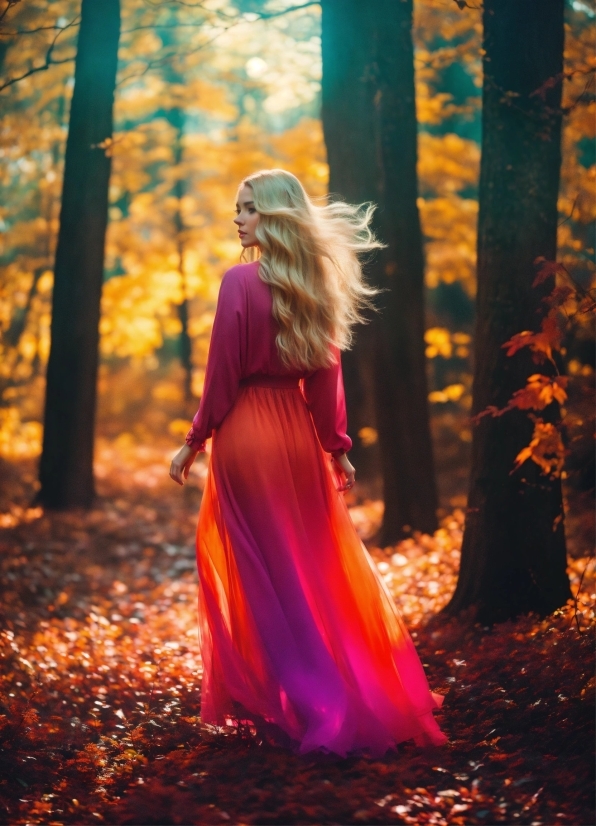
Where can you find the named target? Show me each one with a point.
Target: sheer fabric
(298, 632)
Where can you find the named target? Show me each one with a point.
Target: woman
(298, 634)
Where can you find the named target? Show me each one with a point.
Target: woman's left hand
(347, 469)
(182, 463)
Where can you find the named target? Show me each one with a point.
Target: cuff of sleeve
(337, 453)
(194, 442)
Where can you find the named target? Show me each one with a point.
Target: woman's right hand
(181, 464)
(347, 469)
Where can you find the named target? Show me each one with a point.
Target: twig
(583, 97)
(268, 15)
(576, 598)
(568, 218)
(9, 5)
(18, 32)
(550, 82)
(261, 15)
(48, 62)
(159, 62)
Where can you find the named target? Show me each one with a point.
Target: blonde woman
(299, 637)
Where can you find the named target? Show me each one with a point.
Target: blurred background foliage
(207, 93)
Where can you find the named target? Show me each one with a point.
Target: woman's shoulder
(239, 273)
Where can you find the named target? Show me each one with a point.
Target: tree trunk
(66, 468)
(176, 118)
(513, 555)
(369, 120)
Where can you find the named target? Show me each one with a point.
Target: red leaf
(545, 269)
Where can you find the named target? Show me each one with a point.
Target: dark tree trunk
(513, 555)
(369, 119)
(176, 117)
(66, 468)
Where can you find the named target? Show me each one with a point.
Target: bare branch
(553, 81)
(49, 61)
(584, 97)
(234, 20)
(572, 210)
(32, 31)
(158, 62)
(258, 15)
(268, 15)
(154, 26)
(9, 6)
(34, 71)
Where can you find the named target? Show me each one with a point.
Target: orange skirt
(298, 631)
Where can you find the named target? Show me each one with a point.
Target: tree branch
(158, 62)
(9, 5)
(34, 70)
(235, 19)
(261, 15)
(49, 61)
(268, 15)
(32, 31)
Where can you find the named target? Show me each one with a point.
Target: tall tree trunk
(66, 468)
(513, 555)
(176, 117)
(369, 120)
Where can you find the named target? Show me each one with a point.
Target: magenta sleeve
(325, 397)
(224, 362)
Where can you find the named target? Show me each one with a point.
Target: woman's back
(243, 350)
(259, 352)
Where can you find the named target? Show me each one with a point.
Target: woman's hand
(181, 464)
(347, 469)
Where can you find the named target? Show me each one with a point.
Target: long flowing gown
(298, 632)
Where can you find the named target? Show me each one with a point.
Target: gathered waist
(279, 382)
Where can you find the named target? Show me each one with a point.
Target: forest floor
(100, 677)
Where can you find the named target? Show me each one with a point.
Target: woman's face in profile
(247, 217)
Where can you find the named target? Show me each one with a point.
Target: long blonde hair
(309, 255)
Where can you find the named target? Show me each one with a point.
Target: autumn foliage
(566, 301)
(100, 667)
(100, 685)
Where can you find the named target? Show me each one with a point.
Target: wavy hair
(310, 255)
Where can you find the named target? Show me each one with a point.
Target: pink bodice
(243, 348)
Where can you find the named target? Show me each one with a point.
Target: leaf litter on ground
(100, 682)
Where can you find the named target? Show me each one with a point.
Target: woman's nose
(238, 220)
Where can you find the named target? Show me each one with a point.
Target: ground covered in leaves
(100, 681)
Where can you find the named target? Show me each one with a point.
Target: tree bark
(369, 120)
(176, 117)
(513, 555)
(66, 468)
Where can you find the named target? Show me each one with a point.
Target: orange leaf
(546, 449)
(518, 341)
(539, 392)
(541, 344)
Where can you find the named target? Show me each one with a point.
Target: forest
(125, 129)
